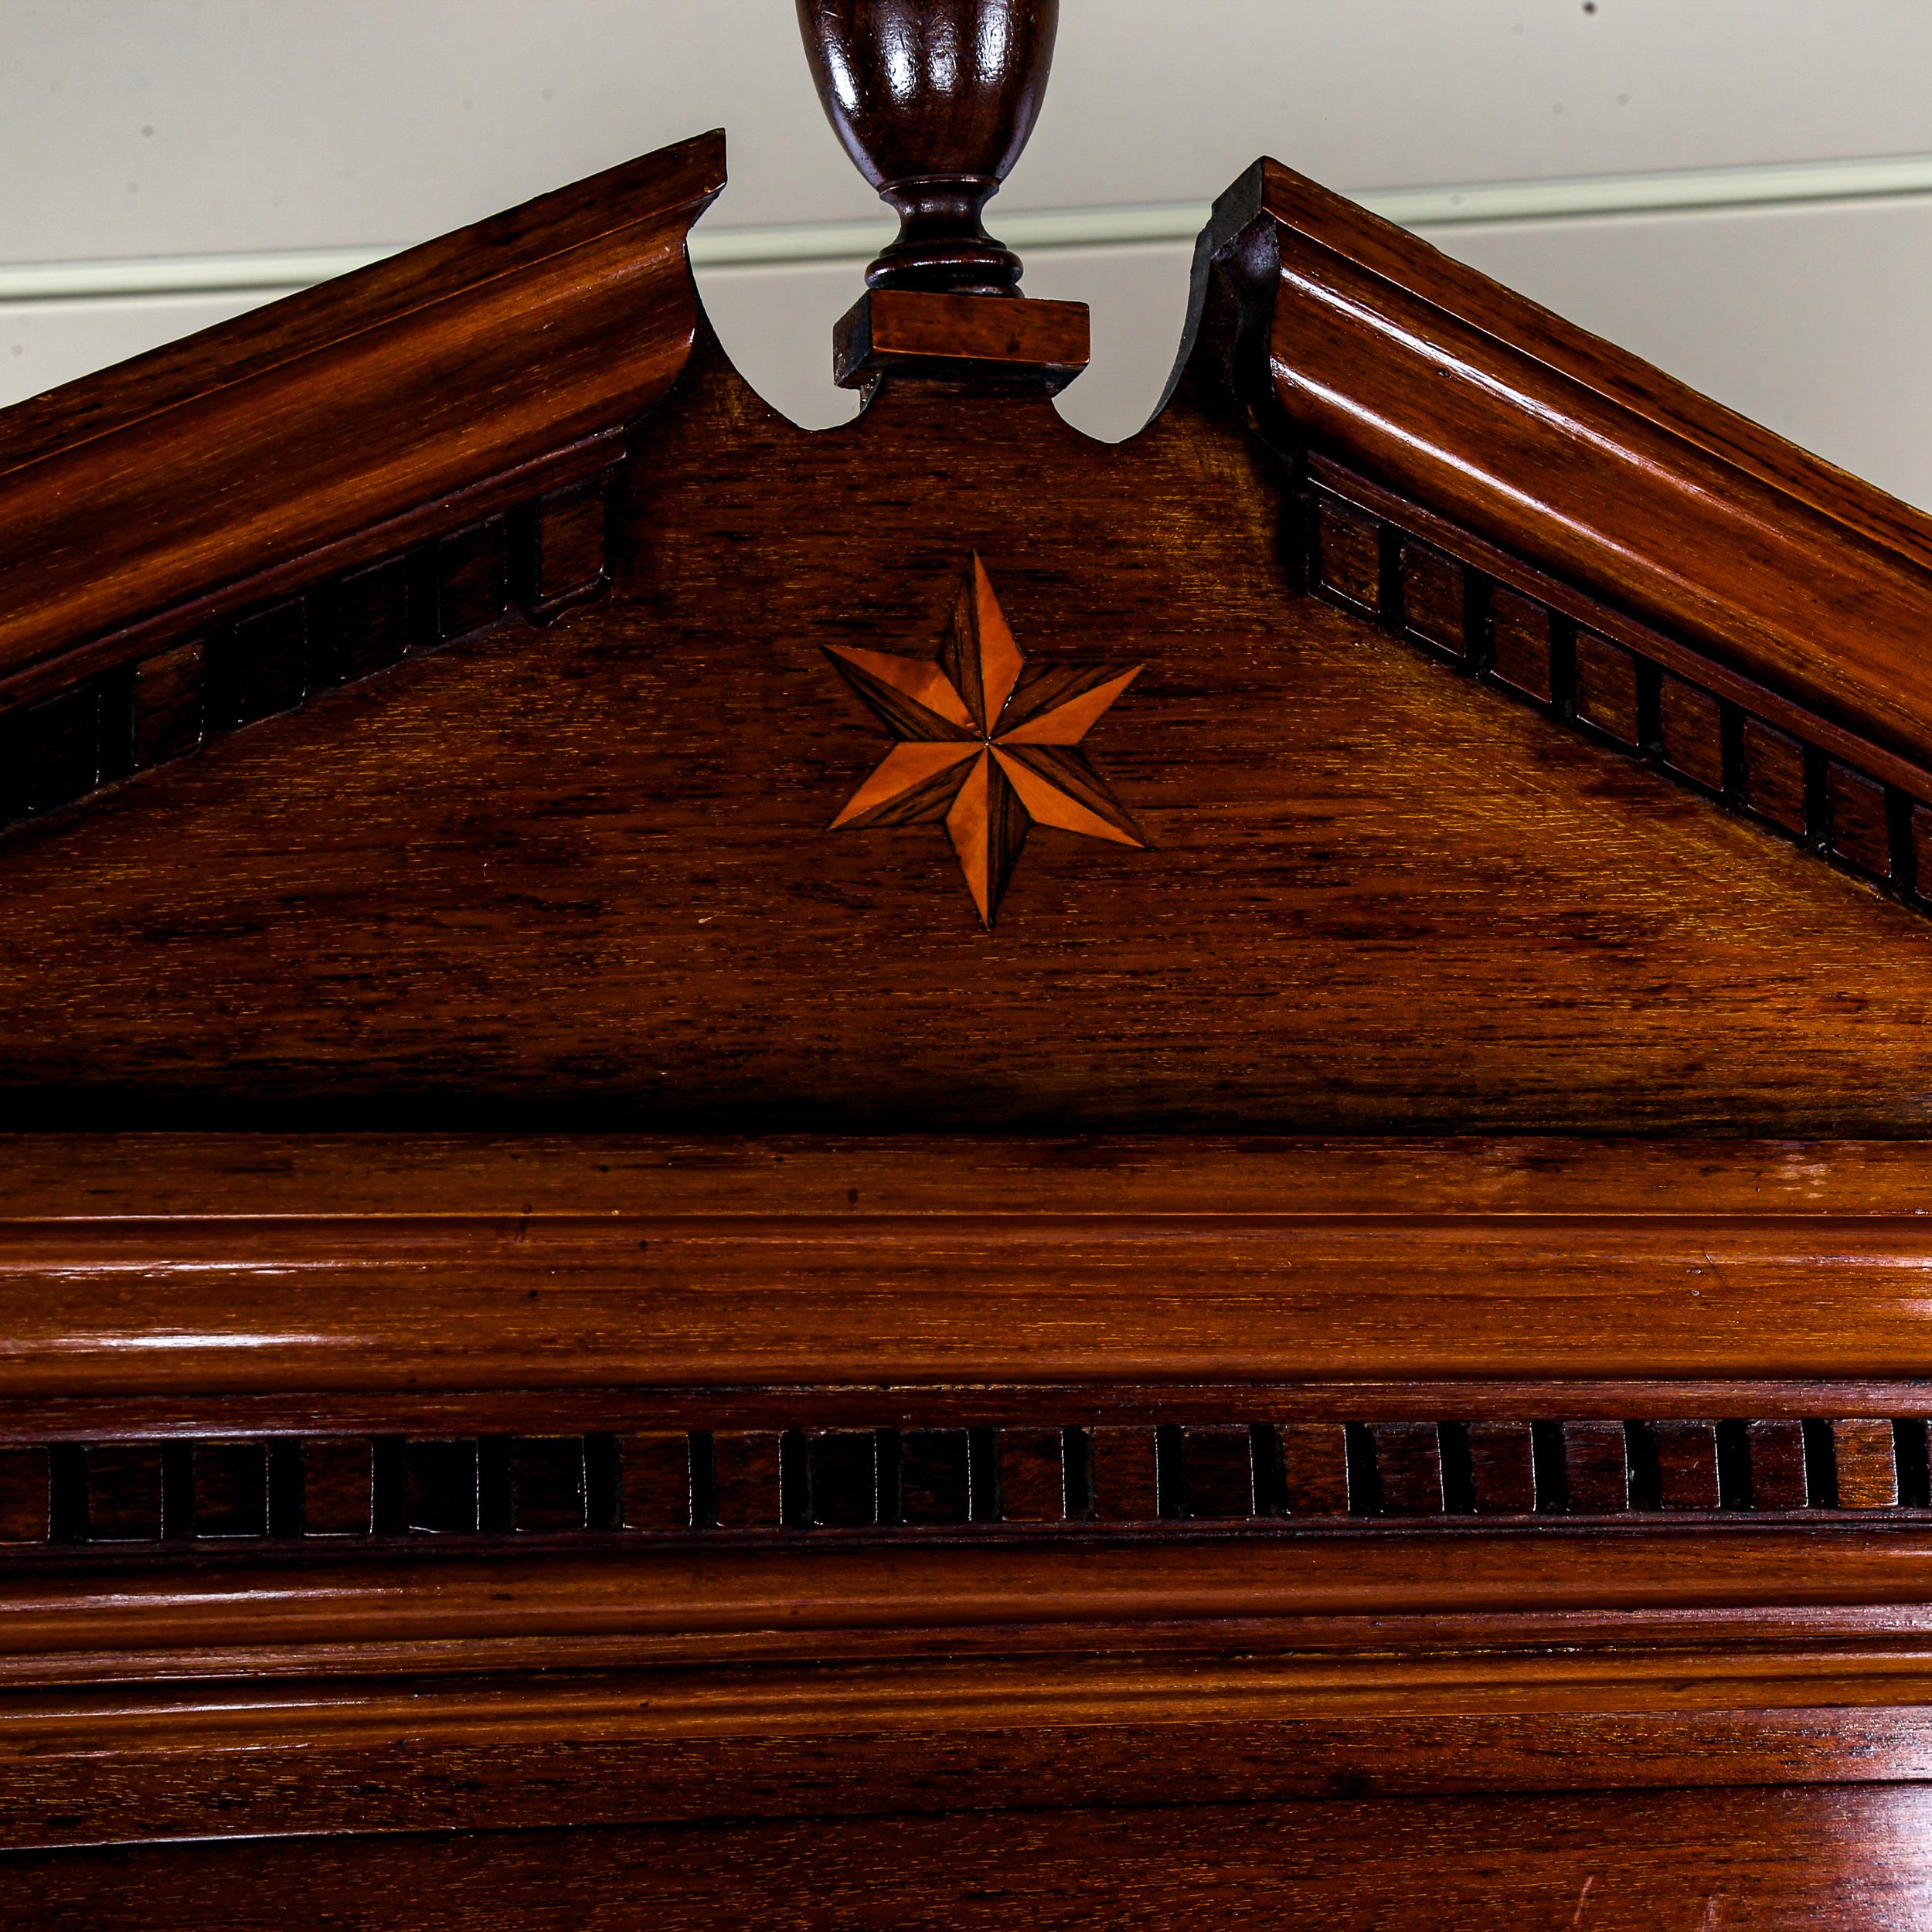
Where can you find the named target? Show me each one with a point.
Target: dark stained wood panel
(1691, 732)
(1596, 1467)
(1502, 1468)
(1774, 775)
(1525, 639)
(1779, 1476)
(376, 1179)
(24, 1496)
(1860, 831)
(1774, 1859)
(1434, 597)
(588, 873)
(1032, 1475)
(1607, 696)
(1521, 645)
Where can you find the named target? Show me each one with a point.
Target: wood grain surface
(579, 1340)
(1849, 1859)
(341, 424)
(1022, 1300)
(130, 1764)
(1700, 1586)
(1581, 458)
(353, 1267)
(108, 1177)
(588, 877)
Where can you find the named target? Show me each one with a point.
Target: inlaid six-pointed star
(987, 743)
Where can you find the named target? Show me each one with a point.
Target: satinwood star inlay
(988, 744)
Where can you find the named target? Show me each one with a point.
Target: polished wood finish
(1368, 346)
(912, 333)
(1544, 643)
(1393, 1266)
(933, 100)
(1360, 907)
(377, 468)
(446, 1266)
(933, 103)
(933, 1467)
(344, 424)
(1184, 1519)
(541, 560)
(922, 1304)
(132, 1761)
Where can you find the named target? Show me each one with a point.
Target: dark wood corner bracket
(1571, 526)
(169, 573)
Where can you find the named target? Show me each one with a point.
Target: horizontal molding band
(1681, 190)
(836, 1598)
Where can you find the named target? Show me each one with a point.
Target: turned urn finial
(933, 100)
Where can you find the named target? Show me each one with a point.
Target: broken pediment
(1414, 812)
(211, 533)
(1029, 1117)
(601, 864)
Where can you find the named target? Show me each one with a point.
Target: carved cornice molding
(710, 1487)
(1618, 682)
(505, 1287)
(217, 532)
(1664, 544)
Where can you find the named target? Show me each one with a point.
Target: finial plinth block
(917, 332)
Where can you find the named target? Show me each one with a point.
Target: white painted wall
(198, 144)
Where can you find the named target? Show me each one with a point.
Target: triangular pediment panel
(595, 871)
(949, 767)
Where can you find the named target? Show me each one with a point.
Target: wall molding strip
(1683, 190)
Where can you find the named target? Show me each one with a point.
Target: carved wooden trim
(1364, 346)
(1616, 681)
(503, 1606)
(228, 1493)
(540, 558)
(292, 1287)
(142, 507)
